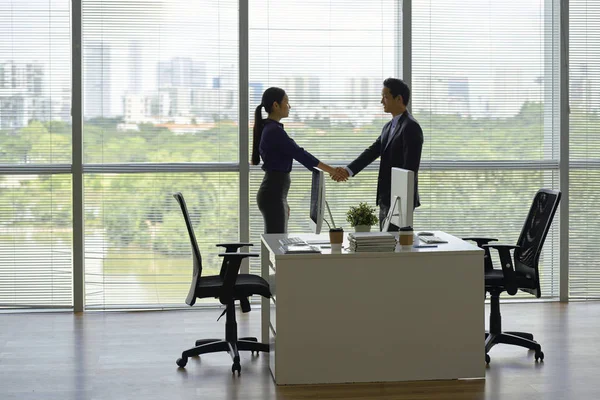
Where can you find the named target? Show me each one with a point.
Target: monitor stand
(329, 211)
(390, 214)
(323, 241)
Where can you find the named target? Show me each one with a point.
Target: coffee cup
(405, 236)
(336, 238)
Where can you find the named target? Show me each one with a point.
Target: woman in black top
(277, 150)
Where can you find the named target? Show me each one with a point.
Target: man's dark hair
(398, 87)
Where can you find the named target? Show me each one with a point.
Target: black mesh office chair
(522, 274)
(228, 286)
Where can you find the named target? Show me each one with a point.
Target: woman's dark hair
(270, 96)
(398, 87)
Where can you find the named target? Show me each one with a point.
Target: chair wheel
(236, 367)
(487, 359)
(539, 355)
(182, 362)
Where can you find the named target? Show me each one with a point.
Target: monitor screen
(317, 200)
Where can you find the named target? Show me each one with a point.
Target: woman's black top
(277, 149)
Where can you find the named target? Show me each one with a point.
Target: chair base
(496, 336)
(522, 339)
(205, 346)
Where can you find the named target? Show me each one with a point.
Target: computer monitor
(402, 199)
(318, 202)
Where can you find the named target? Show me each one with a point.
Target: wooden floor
(131, 355)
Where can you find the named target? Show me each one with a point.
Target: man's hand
(340, 175)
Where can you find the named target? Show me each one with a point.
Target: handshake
(340, 174)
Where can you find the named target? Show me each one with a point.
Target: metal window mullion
(77, 158)
(468, 165)
(407, 44)
(398, 45)
(35, 169)
(243, 123)
(489, 165)
(134, 168)
(564, 150)
(584, 164)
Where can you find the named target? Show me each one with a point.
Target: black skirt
(272, 201)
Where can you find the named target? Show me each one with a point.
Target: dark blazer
(404, 151)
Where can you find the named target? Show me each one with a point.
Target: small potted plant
(361, 217)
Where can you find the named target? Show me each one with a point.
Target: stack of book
(371, 241)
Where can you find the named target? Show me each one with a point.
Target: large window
(584, 122)
(485, 91)
(161, 100)
(35, 154)
(160, 86)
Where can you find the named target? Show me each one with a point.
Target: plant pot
(362, 228)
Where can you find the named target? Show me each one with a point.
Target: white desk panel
(413, 314)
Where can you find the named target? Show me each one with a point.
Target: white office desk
(415, 314)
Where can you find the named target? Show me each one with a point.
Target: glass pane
(584, 148)
(160, 81)
(35, 82)
(487, 92)
(35, 128)
(138, 252)
(35, 241)
(331, 57)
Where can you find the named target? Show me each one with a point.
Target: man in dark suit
(399, 145)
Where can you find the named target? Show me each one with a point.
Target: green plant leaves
(363, 214)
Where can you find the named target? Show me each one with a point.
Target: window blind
(35, 148)
(485, 91)
(331, 57)
(584, 146)
(160, 88)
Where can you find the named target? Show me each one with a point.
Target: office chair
(522, 274)
(228, 286)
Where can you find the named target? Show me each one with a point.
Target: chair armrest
(237, 255)
(480, 240)
(499, 246)
(230, 248)
(229, 273)
(508, 269)
(233, 247)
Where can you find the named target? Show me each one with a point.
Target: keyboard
(318, 242)
(431, 239)
(292, 240)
